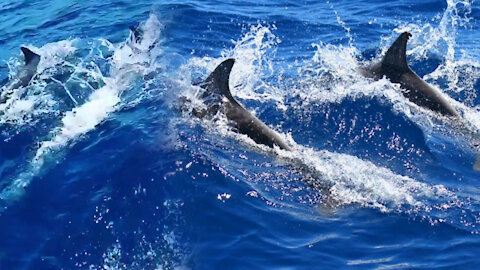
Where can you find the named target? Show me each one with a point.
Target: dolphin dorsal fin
(218, 80)
(396, 56)
(29, 55)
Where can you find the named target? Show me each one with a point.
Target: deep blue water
(101, 169)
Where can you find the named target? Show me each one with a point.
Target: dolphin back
(136, 33)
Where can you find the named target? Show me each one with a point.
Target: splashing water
(128, 62)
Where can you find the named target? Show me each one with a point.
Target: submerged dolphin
(25, 75)
(136, 34)
(476, 166)
(244, 122)
(394, 66)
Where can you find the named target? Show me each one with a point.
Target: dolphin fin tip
(407, 34)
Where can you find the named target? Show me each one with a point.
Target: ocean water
(101, 168)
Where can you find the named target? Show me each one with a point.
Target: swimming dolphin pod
(244, 122)
(24, 77)
(394, 66)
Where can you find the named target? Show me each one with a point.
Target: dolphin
(217, 97)
(243, 121)
(25, 75)
(394, 66)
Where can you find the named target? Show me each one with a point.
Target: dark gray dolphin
(217, 97)
(24, 76)
(244, 122)
(394, 66)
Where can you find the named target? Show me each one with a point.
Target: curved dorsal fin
(218, 80)
(396, 56)
(29, 55)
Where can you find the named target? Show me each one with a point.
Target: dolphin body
(394, 66)
(244, 122)
(24, 77)
(217, 97)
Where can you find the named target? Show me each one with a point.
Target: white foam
(53, 54)
(83, 118)
(253, 54)
(362, 182)
(352, 180)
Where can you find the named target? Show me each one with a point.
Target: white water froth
(356, 181)
(253, 54)
(351, 180)
(129, 62)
